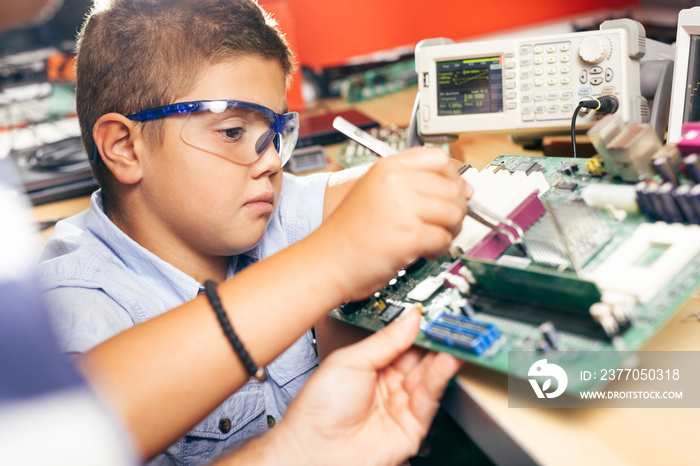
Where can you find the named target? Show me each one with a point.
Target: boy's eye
(235, 134)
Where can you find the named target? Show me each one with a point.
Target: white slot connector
(625, 270)
(502, 192)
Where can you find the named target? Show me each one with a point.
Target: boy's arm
(394, 393)
(166, 374)
(339, 185)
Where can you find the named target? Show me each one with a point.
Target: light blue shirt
(99, 282)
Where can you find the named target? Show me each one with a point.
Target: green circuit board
(517, 300)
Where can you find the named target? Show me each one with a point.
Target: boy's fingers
(426, 158)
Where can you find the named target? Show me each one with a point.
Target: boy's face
(208, 204)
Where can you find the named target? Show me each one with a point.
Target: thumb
(382, 348)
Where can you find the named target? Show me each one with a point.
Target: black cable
(604, 104)
(573, 127)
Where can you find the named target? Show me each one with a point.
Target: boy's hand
(369, 403)
(408, 205)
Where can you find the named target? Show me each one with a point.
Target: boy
(189, 192)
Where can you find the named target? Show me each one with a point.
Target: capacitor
(669, 203)
(694, 198)
(550, 334)
(681, 194)
(692, 166)
(665, 167)
(657, 205)
(643, 199)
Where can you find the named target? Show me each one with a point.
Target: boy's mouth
(262, 203)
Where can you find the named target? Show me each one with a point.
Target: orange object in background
(60, 67)
(329, 32)
(282, 13)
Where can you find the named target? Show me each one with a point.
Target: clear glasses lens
(240, 134)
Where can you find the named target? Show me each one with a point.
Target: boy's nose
(269, 161)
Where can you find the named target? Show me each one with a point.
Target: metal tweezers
(491, 219)
(476, 211)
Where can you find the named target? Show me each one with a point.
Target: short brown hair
(138, 54)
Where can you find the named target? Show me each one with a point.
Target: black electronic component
(528, 167)
(569, 169)
(665, 167)
(390, 313)
(352, 307)
(655, 201)
(415, 265)
(681, 194)
(643, 199)
(543, 346)
(691, 163)
(550, 334)
(694, 197)
(569, 186)
(669, 204)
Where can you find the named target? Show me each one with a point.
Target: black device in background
(54, 171)
(318, 130)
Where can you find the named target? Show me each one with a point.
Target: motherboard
(589, 265)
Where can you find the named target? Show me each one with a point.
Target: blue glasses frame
(278, 122)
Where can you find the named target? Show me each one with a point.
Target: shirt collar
(163, 278)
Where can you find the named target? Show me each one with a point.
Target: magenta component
(495, 244)
(690, 141)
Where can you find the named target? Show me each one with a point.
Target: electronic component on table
(531, 85)
(604, 195)
(633, 275)
(514, 196)
(569, 169)
(461, 332)
(390, 313)
(307, 158)
(691, 167)
(666, 163)
(669, 203)
(550, 334)
(626, 150)
(586, 229)
(353, 154)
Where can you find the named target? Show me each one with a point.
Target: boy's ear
(114, 137)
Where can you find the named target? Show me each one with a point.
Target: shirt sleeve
(84, 317)
(301, 204)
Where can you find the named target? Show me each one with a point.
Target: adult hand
(370, 403)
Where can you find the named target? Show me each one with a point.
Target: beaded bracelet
(258, 373)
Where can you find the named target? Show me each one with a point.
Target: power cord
(604, 105)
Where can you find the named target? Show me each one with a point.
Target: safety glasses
(238, 131)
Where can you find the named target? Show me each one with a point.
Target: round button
(225, 425)
(271, 422)
(593, 49)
